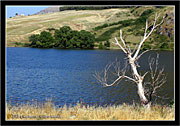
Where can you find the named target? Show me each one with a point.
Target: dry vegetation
(49, 111)
(20, 28)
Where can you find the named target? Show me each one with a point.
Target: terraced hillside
(105, 24)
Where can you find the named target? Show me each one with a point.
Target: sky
(12, 10)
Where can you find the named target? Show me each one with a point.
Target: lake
(65, 76)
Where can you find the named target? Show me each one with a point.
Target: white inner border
(86, 5)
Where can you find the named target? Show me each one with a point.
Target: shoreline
(88, 49)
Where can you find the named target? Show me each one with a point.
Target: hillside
(48, 10)
(105, 24)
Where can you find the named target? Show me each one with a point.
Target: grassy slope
(131, 32)
(20, 28)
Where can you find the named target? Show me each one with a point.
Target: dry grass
(77, 20)
(48, 111)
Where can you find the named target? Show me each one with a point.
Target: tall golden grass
(48, 111)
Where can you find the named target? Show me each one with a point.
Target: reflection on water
(65, 76)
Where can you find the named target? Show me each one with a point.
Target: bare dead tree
(132, 57)
(158, 78)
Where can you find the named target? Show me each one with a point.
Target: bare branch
(122, 38)
(142, 54)
(105, 71)
(145, 32)
(117, 43)
(162, 97)
(97, 76)
(146, 35)
(145, 74)
(158, 79)
(130, 78)
(157, 63)
(134, 49)
(137, 64)
(151, 62)
(105, 84)
(160, 22)
(159, 75)
(127, 48)
(120, 73)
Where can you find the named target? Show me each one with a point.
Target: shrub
(147, 46)
(64, 37)
(164, 45)
(147, 12)
(107, 44)
(100, 27)
(101, 45)
(51, 29)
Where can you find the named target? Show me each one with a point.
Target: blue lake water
(65, 76)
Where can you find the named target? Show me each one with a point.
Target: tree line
(78, 7)
(64, 38)
(90, 7)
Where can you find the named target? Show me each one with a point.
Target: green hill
(105, 24)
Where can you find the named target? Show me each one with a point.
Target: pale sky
(12, 10)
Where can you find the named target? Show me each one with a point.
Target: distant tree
(87, 39)
(75, 41)
(44, 40)
(164, 45)
(101, 45)
(16, 14)
(107, 44)
(51, 29)
(33, 39)
(64, 37)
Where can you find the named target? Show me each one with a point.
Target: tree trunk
(141, 94)
(139, 82)
(137, 78)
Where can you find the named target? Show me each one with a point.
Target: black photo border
(127, 2)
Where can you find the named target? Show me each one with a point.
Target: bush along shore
(48, 111)
(64, 38)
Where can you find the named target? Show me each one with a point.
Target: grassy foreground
(48, 111)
